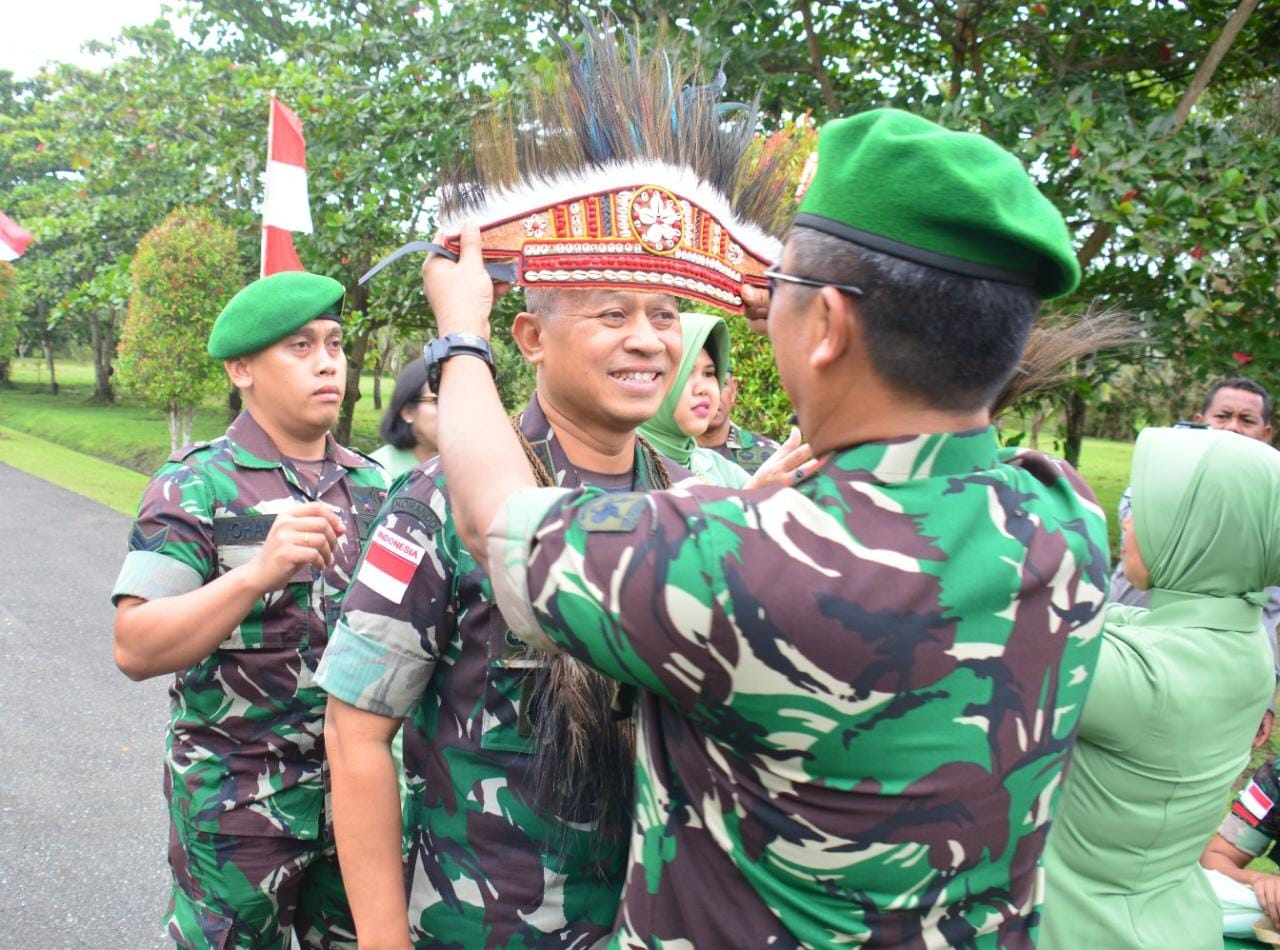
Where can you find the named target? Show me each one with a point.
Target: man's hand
(1267, 889)
(1264, 732)
(757, 313)
(461, 294)
(306, 535)
(783, 466)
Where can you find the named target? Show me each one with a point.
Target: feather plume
(619, 106)
(1056, 343)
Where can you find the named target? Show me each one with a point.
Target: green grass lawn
(128, 433)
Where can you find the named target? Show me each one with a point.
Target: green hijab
(1206, 513)
(661, 431)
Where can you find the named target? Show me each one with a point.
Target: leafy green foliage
(1173, 222)
(182, 274)
(10, 317)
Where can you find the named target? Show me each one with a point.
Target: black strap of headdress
(504, 271)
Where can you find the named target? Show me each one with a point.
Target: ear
(1198, 417)
(528, 329)
(833, 318)
(240, 370)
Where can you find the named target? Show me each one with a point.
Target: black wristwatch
(455, 344)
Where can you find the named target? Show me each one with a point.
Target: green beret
(271, 308)
(896, 183)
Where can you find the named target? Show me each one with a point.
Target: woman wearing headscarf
(692, 400)
(1175, 700)
(409, 424)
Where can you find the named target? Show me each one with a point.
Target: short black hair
(950, 340)
(1239, 382)
(394, 430)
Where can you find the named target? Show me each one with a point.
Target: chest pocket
(278, 619)
(513, 673)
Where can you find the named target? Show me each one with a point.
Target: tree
(185, 269)
(10, 317)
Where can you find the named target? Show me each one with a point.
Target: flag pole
(271, 131)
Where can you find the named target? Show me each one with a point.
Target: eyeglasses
(773, 275)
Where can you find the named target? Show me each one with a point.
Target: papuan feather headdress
(623, 173)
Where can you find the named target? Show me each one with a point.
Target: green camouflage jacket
(744, 448)
(245, 743)
(861, 691)
(420, 637)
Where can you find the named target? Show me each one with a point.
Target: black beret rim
(918, 255)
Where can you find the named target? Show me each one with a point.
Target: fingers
(1267, 889)
(469, 244)
(1264, 729)
(315, 536)
(756, 300)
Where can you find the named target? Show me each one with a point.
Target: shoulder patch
(618, 513)
(188, 450)
(416, 509)
(147, 542)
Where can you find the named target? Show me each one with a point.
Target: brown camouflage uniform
(860, 692)
(246, 773)
(420, 637)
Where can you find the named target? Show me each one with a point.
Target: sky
(34, 32)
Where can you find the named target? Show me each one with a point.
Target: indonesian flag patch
(389, 564)
(1253, 804)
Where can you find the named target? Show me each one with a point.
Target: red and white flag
(284, 207)
(1255, 801)
(13, 239)
(389, 564)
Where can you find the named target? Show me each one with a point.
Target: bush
(184, 271)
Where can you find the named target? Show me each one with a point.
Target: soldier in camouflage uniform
(859, 693)
(238, 560)
(519, 766)
(725, 437)
(491, 861)
(1249, 831)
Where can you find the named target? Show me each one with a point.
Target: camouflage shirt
(1253, 824)
(744, 448)
(245, 744)
(861, 691)
(420, 637)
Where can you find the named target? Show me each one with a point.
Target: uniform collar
(252, 447)
(914, 457)
(536, 428)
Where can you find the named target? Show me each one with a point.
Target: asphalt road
(82, 818)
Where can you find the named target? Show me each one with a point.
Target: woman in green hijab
(1174, 703)
(692, 399)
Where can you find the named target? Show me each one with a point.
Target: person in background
(1250, 830)
(408, 426)
(749, 450)
(1235, 405)
(1177, 693)
(694, 397)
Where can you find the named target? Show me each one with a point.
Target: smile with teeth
(636, 377)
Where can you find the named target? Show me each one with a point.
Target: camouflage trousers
(251, 892)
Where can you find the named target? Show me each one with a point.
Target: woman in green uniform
(1175, 700)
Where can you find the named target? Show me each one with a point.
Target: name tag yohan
(245, 529)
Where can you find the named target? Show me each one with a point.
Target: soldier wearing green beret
(241, 552)
(858, 692)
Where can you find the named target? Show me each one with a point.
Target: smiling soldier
(238, 560)
(518, 768)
